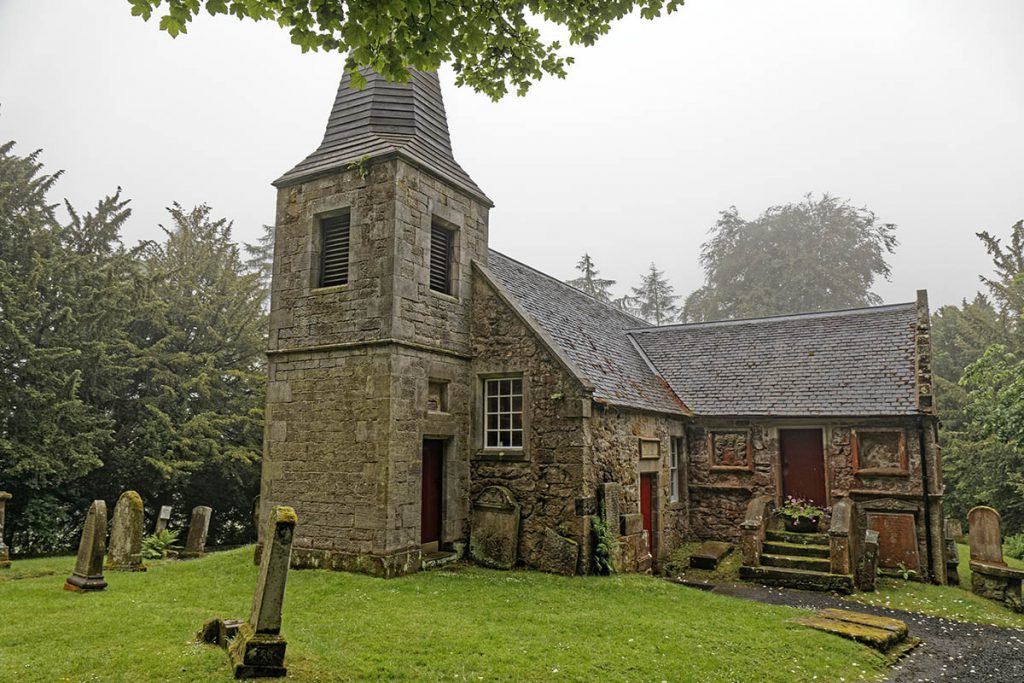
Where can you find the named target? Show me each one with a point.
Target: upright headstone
(195, 545)
(954, 529)
(163, 519)
(494, 528)
(258, 650)
(952, 532)
(125, 548)
(5, 554)
(984, 535)
(88, 574)
(611, 505)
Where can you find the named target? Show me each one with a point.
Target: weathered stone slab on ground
(259, 649)
(709, 554)
(199, 526)
(494, 528)
(88, 574)
(163, 519)
(880, 633)
(125, 549)
(5, 554)
(557, 554)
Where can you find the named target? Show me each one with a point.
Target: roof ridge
(863, 310)
(577, 290)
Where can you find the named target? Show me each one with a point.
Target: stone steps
(784, 548)
(438, 559)
(882, 633)
(798, 578)
(795, 538)
(814, 564)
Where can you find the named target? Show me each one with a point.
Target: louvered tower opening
(334, 248)
(441, 256)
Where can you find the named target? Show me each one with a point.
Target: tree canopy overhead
(815, 255)
(492, 46)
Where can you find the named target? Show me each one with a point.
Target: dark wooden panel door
(647, 506)
(803, 464)
(433, 471)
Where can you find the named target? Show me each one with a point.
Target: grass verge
(463, 623)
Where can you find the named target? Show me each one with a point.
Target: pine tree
(589, 282)
(261, 259)
(656, 299)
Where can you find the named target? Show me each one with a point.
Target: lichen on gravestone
(88, 573)
(125, 550)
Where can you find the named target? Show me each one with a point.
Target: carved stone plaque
(880, 450)
(730, 449)
(897, 540)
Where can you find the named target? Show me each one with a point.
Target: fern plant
(1015, 546)
(604, 545)
(154, 547)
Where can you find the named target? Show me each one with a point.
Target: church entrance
(803, 464)
(432, 494)
(647, 489)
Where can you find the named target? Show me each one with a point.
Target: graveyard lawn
(951, 602)
(463, 623)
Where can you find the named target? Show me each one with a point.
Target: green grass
(952, 602)
(464, 623)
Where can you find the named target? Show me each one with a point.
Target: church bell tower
(368, 364)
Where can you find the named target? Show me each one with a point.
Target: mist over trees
(123, 368)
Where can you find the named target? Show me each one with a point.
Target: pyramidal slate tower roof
(387, 119)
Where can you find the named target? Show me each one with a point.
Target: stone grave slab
(494, 528)
(881, 633)
(709, 554)
(557, 554)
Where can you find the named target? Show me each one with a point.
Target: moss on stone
(285, 514)
(134, 500)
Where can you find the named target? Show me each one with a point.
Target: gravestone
(163, 519)
(198, 527)
(611, 504)
(5, 554)
(985, 537)
(557, 554)
(125, 549)
(709, 554)
(258, 651)
(632, 524)
(952, 531)
(88, 574)
(494, 528)
(867, 565)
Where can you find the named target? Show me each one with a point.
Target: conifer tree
(656, 299)
(589, 282)
(261, 258)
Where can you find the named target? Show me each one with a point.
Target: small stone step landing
(793, 560)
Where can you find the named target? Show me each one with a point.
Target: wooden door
(647, 506)
(431, 500)
(803, 464)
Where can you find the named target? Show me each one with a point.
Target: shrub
(604, 546)
(154, 547)
(1014, 546)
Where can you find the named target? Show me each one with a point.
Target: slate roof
(844, 363)
(407, 119)
(592, 334)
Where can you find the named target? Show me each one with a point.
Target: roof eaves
(668, 387)
(528, 320)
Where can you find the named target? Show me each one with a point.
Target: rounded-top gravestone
(125, 551)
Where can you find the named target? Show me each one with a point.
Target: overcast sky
(913, 108)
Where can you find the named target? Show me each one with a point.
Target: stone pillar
(125, 553)
(163, 519)
(88, 574)
(258, 651)
(198, 527)
(5, 555)
(867, 566)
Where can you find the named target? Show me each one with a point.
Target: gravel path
(951, 651)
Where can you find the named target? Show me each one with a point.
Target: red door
(803, 464)
(647, 507)
(433, 467)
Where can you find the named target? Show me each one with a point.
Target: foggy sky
(912, 108)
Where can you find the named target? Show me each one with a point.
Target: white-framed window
(503, 412)
(675, 456)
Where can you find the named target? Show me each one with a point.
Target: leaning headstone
(258, 651)
(494, 529)
(88, 574)
(124, 553)
(163, 519)
(985, 537)
(557, 554)
(198, 527)
(5, 554)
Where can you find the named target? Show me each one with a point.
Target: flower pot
(801, 525)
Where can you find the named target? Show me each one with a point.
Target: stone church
(424, 388)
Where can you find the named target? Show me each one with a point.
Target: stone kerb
(88, 573)
(494, 528)
(5, 554)
(125, 549)
(199, 526)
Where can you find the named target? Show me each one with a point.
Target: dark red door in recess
(433, 469)
(647, 506)
(803, 464)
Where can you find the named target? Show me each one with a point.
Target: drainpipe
(927, 499)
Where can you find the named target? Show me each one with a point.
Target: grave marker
(88, 574)
(198, 527)
(125, 552)
(5, 554)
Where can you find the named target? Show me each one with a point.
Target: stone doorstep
(438, 559)
(793, 537)
(709, 554)
(803, 549)
(881, 633)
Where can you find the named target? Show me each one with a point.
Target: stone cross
(163, 519)
(5, 555)
(125, 549)
(88, 574)
(195, 545)
(985, 538)
(259, 649)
